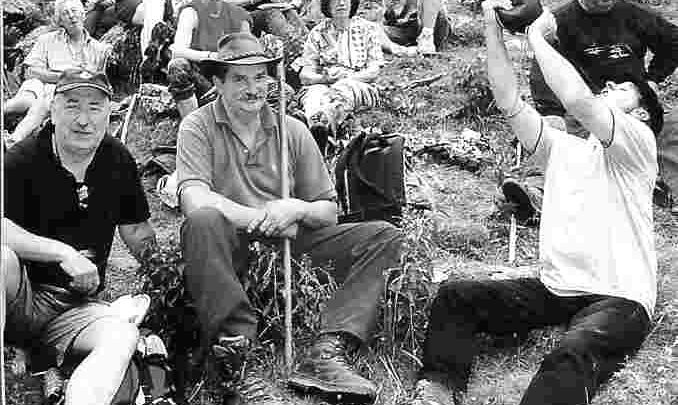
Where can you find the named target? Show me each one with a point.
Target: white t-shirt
(596, 234)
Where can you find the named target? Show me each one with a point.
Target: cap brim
(73, 86)
(252, 60)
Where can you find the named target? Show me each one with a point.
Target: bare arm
(45, 75)
(33, 247)
(183, 37)
(40, 249)
(567, 84)
(138, 237)
(284, 213)
(200, 196)
(368, 75)
(308, 75)
(524, 120)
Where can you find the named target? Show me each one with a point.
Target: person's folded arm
(309, 75)
(196, 196)
(369, 74)
(28, 246)
(32, 247)
(45, 75)
(567, 84)
(282, 217)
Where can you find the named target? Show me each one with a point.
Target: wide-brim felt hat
(240, 48)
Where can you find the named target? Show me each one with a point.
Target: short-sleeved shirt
(210, 153)
(596, 234)
(44, 198)
(54, 51)
(215, 19)
(355, 48)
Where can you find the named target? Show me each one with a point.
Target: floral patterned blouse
(355, 48)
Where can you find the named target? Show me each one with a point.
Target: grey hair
(60, 6)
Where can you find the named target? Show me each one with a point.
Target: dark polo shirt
(211, 154)
(44, 198)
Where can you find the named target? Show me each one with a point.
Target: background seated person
(200, 25)
(104, 14)
(417, 22)
(69, 47)
(341, 59)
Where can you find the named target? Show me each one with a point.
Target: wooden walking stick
(513, 228)
(285, 187)
(128, 116)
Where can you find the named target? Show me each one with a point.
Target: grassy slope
(465, 241)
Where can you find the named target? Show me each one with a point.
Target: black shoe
(326, 371)
(527, 199)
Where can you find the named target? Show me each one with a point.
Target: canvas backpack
(370, 179)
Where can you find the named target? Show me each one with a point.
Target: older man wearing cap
(228, 165)
(66, 190)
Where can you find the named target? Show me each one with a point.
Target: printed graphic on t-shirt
(604, 53)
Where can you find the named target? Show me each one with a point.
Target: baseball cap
(76, 78)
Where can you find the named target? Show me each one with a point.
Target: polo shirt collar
(268, 119)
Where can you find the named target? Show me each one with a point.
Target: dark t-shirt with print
(44, 198)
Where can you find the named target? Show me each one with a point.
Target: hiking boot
(326, 371)
(527, 199)
(253, 390)
(229, 354)
(425, 44)
(428, 392)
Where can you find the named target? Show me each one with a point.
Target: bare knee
(108, 335)
(11, 271)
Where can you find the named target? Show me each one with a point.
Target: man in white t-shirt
(596, 236)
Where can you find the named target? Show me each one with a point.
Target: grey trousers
(216, 253)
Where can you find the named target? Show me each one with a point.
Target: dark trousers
(215, 254)
(602, 331)
(667, 151)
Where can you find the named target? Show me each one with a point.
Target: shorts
(38, 89)
(125, 9)
(47, 320)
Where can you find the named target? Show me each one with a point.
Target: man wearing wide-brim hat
(228, 166)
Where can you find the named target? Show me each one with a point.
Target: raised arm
(525, 120)
(567, 84)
